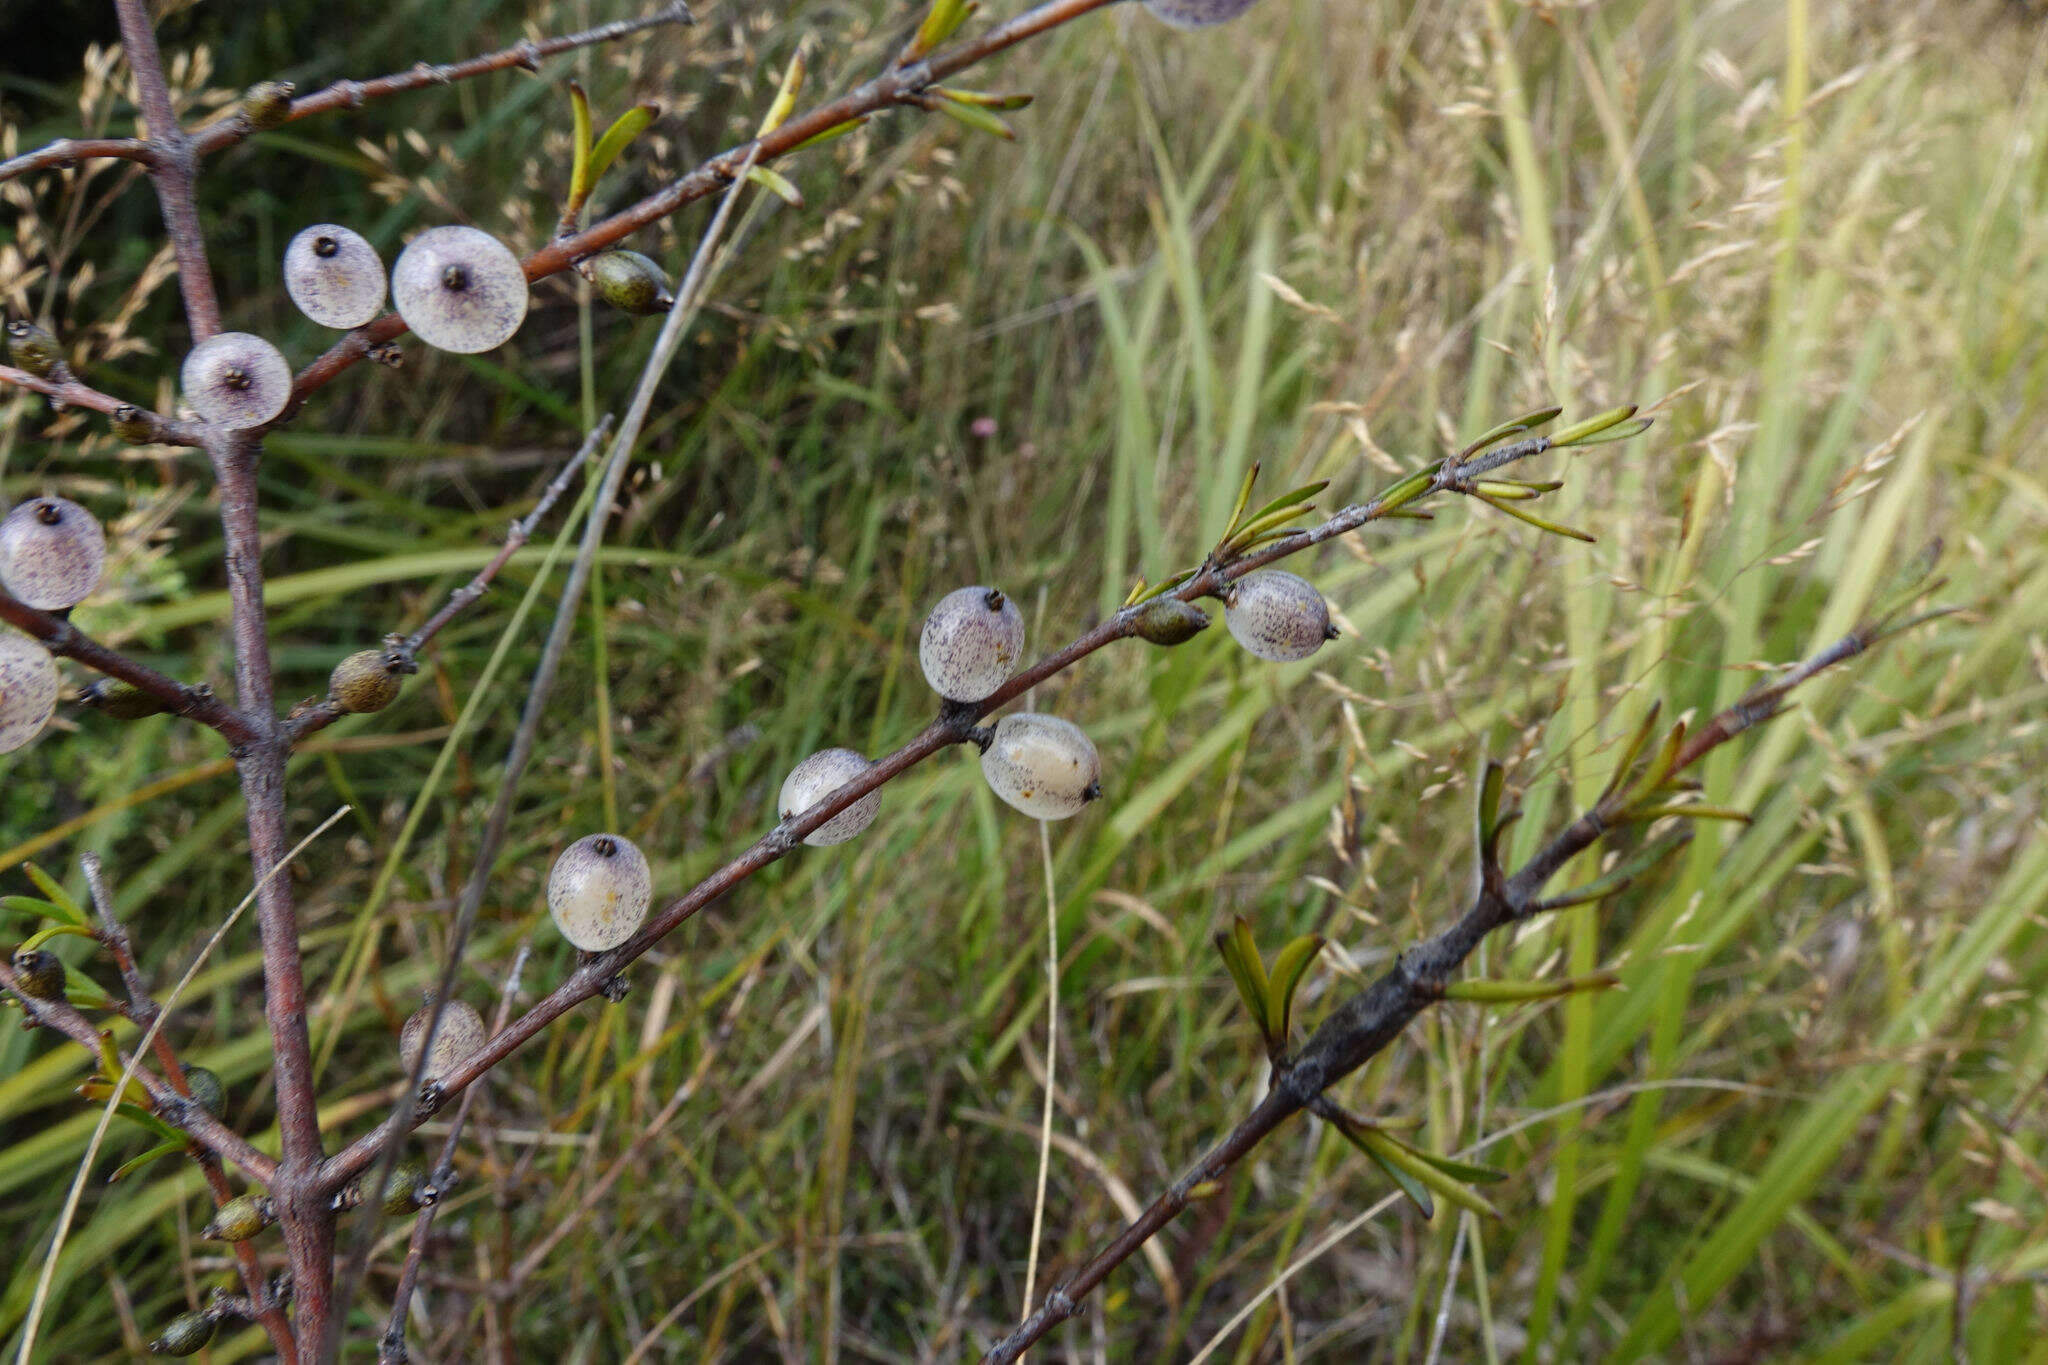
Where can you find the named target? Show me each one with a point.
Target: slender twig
(66, 641)
(67, 152)
(1369, 1020)
(67, 390)
(391, 1351)
(899, 87)
(688, 296)
(953, 725)
(526, 54)
(324, 713)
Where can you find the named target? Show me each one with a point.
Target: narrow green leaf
(1514, 426)
(776, 184)
(1137, 589)
(134, 1164)
(141, 1117)
(579, 149)
(1538, 522)
(1620, 433)
(1250, 989)
(985, 99)
(60, 901)
(619, 136)
(1289, 966)
(785, 95)
(1466, 1171)
(30, 907)
(979, 119)
(1248, 953)
(1244, 498)
(1417, 1192)
(1578, 432)
(1518, 992)
(1634, 750)
(1493, 782)
(837, 130)
(1259, 526)
(1164, 586)
(1396, 1153)
(940, 22)
(1406, 491)
(45, 934)
(1691, 812)
(1306, 493)
(1505, 491)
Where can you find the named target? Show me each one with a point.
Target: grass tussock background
(1335, 237)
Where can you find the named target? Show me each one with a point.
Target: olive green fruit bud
(28, 689)
(598, 891)
(405, 1191)
(40, 974)
(459, 289)
(207, 1091)
(1197, 13)
(334, 275)
(51, 553)
(187, 1334)
(33, 349)
(121, 700)
(366, 681)
(1042, 765)
(630, 282)
(970, 643)
(236, 380)
(1277, 616)
(134, 425)
(816, 778)
(461, 1032)
(1170, 621)
(240, 1219)
(267, 104)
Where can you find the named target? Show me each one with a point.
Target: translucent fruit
(236, 380)
(334, 276)
(1197, 13)
(1042, 765)
(598, 891)
(28, 689)
(1277, 616)
(460, 1034)
(459, 289)
(971, 643)
(51, 553)
(816, 778)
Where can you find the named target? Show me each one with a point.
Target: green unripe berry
(459, 289)
(267, 104)
(970, 643)
(461, 1033)
(598, 891)
(405, 1191)
(28, 689)
(366, 681)
(334, 275)
(1042, 765)
(185, 1335)
(1170, 621)
(1197, 13)
(207, 1091)
(134, 425)
(1277, 616)
(51, 553)
(816, 778)
(120, 700)
(33, 349)
(236, 380)
(40, 974)
(240, 1219)
(630, 282)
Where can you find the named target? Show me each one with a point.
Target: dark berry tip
(325, 246)
(454, 277)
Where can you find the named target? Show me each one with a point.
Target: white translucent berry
(461, 1032)
(1197, 13)
(51, 553)
(1042, 765)
(971, 643)
(459, 289)
(334, 275)
(236, 380)
(1277, 616)
(28, 689)
(816, 778)
(598, 891)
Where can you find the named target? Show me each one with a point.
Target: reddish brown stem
(67, 152)
(168, 432)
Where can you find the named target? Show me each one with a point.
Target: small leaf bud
(1170, 621)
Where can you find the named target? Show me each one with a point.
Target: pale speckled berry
(461, 1033)
(1042, 765)
(459, 289)
(51, 553)
(816, 778)
(1277, 616)
(236, 380)
(334, 275)
(28, 689)
(598, 891)
(971, 643)
(1197, 13)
